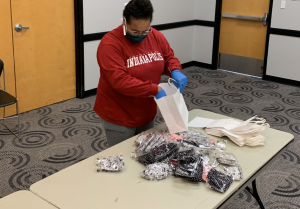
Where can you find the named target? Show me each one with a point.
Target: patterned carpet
(57, 136)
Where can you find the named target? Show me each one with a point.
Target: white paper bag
(173, 108)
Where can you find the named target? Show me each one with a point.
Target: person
(132, 59)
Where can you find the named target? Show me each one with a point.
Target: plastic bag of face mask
(221, 145)
(197, 139)
(141, 138)
(146, 142)
(110, 163)
(156, 171)
(204, 150)
(155, 147)
(186, 153)
(175, 137)
(143, 142)
(218, 181)
(206, 169)
(189, 165)
(234, 171)
(227, 159)
(165, 152)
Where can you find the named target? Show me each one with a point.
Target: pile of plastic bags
(190, 155)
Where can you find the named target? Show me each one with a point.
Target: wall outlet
(283, 4)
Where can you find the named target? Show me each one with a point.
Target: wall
(205, 10)
(182, 40)
(98, 19)
(204, 36)
(283, 59)
(91, 67)
(203, 44)
(284, 45)
(286, 18)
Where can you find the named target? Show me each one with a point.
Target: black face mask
(135, 39)
(132, 38)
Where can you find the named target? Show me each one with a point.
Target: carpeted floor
(57, 136)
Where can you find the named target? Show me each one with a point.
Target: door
(6, 53)
(43, 56)
(45, 53)
(243, 42)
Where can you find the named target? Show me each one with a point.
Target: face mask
(135, 39)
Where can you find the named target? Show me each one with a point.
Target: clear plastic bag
(141, 138)
(197, 139)
(156, 171)
(206, 169)
(145, 142)
(221, 145)
(186, 154)
(218, 181)
(110, 164)
(164, 152)
(175, 137)
(156, 147)
(235, 172)
(227, 159)
(189, 165)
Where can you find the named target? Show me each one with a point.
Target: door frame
(79, 48)
(81, 38)
(276, 31)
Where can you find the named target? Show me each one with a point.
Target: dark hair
(138, 9)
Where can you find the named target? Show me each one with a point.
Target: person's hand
(161, 93)
(180, 78)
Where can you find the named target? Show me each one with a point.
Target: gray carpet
(57, 136)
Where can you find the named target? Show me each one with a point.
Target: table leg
(255, 194)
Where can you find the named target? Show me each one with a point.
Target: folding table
(24, 200)
(81, 187)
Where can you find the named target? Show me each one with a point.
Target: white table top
(81, 187)
(24, 200)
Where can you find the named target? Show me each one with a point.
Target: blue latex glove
(160, 94)
(180, 78)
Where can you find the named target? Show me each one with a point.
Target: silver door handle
(243, 17)
(19, 28)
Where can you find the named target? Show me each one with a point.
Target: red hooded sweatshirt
(129, 75)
